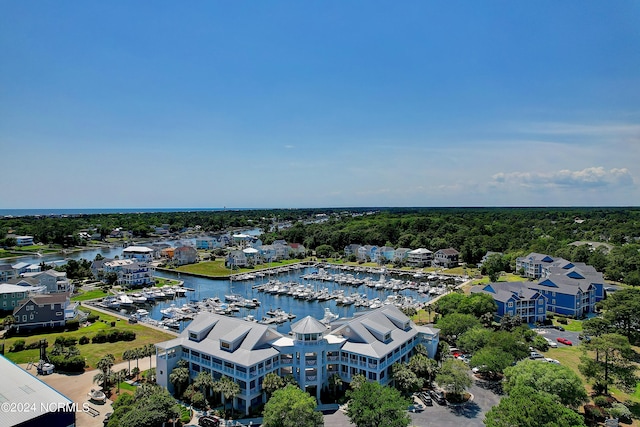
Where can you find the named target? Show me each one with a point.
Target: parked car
(208, 421)
(438, 397)
(550, 360)
(558, 327)
(416, 407)
(585, 338)
(426, 399)
(564, 341)
(551, 343)
(535, 355)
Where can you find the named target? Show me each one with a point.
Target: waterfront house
(6, 273)
(351, 250)
(41, 310)
(236, 259)
(420, 257)
(401, 254)
(24, 240)
(139, 253)
(367, 253)
(20, 267)
(446, 258)
(131, 273)
(185, 255)
(296, 249)
(367, 344)
(97, 268)
(516, 299)
(386, 253)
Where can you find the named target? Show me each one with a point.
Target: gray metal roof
(21, 388)
(308, 325)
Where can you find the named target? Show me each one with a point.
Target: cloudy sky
(319, 103)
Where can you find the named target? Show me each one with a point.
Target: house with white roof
(420, 257)
(11, 295)
(367, 344)
(140, 253)
(24, 240)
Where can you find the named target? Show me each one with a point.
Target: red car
(564, 341)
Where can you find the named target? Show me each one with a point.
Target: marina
(277, 297)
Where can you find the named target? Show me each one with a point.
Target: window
(58, 313)
(225, 345)
(24, 317)
(510, 304)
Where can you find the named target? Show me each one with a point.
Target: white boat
(124, 300)
(328, 316)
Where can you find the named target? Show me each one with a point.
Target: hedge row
(113, 336)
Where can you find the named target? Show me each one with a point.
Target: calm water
(207, 288)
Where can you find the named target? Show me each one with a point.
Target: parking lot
(554, 334)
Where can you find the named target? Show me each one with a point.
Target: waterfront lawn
(161, 281)
(505, 277)
(87, 295)
(94, 352)
(6, 254)
(218, 269)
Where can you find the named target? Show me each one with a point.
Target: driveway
(553, 334)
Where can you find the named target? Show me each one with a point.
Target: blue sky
(312, 104)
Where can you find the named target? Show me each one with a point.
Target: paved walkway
(76, 388)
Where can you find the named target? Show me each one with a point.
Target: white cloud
(592, 177)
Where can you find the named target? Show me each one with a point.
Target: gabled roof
(255, 345)
(420, 251)
(448, 251)
(359, 331)
(137, 249)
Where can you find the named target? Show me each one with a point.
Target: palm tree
(120, 376)
(334, 382)
(150, 351)
(128, 356)
(138, 353)
(204, 381)
(179, 377)
(105, 365)
(135, 371)
(228, 388)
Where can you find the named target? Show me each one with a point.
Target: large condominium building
(367, 344)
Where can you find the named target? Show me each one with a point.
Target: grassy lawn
(506, 277)
(93, 352)
(160, 281)
(93, 294)
(217, 267)
(572, 325)
(423, 317)
(5, 254)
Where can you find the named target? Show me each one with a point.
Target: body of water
(93, 211)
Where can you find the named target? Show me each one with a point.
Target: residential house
(41, 310)
(54, 281)
(401, 254)
(207, 243)
(185, 255)
(282, 250)
(97, 268)
(297, 249)
(24, 240)
(236, 259)
(386, 253)
(486, 256)
(139, 253)
(368, 253)
(446, 258)
(252, 256)
(20, 267)
(420, 257)
(368, 344)
(516, 299)
(11, 295)
(6, 273)
(136, 274)
(351, 249)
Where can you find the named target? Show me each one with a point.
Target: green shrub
(563, 320)
(618, 410)
(18, 345)
(93, 318)
(68, 364)
(83, 340)
(72, 325)
(603, 401)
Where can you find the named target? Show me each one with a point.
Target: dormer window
(387, 336)
(193, 336)
(225, 345)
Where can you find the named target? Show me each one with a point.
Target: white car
(550, 360)
(552, 344)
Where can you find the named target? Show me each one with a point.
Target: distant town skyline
(319, 104)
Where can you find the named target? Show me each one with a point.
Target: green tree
(374, 405)
(205, 382)
(324, 251)
(454, 377)
(448, 304)
(104, 365)
(405, 379)
(335, 382)
(423, 367)
(493, 266)
(179, 377)
(550, 378)
(291, 407)
(611, 361)
(525, 407)
(227, 388)
(271, 383)
(622, 312)
(491, 361)
(357, 380)
(474, 339)
(455, 324)
(478, 304)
